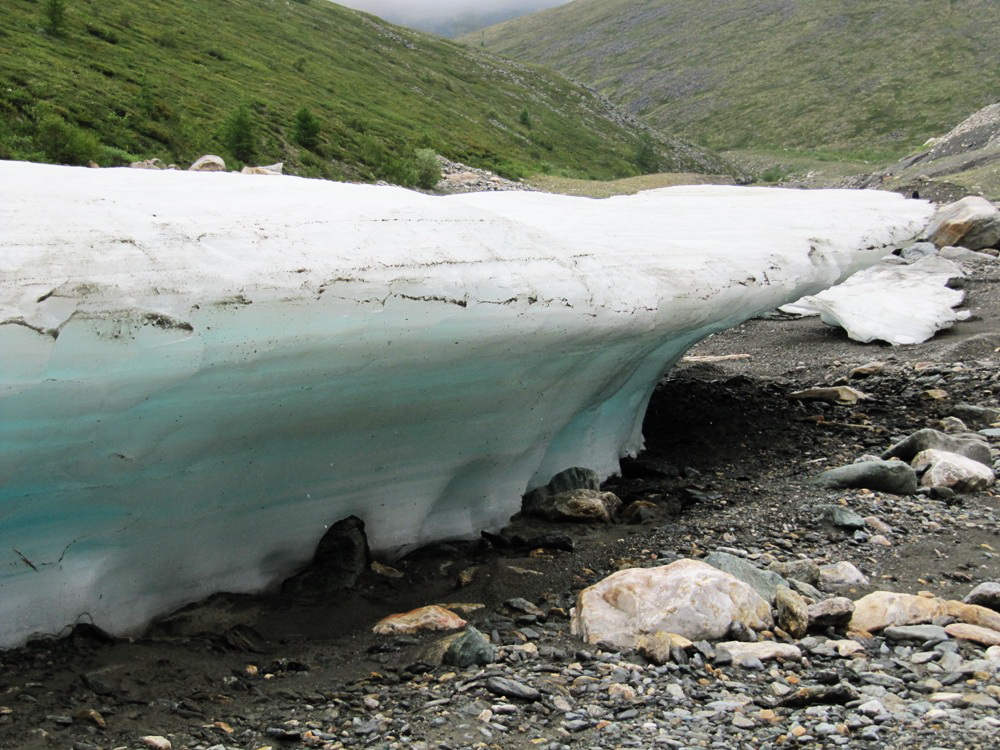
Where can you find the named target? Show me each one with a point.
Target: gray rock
(811, 695)
(894, 477)
(972, 222)
(841, 574)
(964, 254)
(468, 648)
(950, 425)
(512, 689)
(764, 582)
(838, 515)
(583, 506)
(920, 633)
(952, 471)
(792, 610)
(835, 612)
(985, 595)
(571, 495)
(341, 557)
(918, 250)
(976, 416)
(575, 478)
(928, 439)
(801, 570)
(806, 589)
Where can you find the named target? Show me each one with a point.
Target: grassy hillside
(866, 78)
(118, 80)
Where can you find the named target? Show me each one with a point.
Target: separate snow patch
(201, 372)
(895, 302)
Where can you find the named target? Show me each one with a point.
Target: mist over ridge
(450, 17)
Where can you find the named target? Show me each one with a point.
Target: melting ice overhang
(199, 372)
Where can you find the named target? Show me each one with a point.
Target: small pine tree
(55, 16)
(305, 132)
(239, 134)
(524, 118)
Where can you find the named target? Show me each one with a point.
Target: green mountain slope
(875, 76)
(118, 80)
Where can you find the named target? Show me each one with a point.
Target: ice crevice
(242, 360)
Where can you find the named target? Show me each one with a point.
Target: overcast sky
(432, 13)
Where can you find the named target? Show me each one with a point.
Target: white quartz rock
(894, 302)
(687, 597)
(200, 372)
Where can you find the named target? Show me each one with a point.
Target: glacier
(200, 372)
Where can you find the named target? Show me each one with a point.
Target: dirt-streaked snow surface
(201, 372)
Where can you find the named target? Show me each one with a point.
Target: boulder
(974, 633)
(882, 609)
(835, 612)
(660, 646)
(867, 370)
(985, 595)
(148, 164)
(687, 597)
(574, 478)
(967, 255)
(950, 425)
(841, 394)
(921, 633)
(958, 473)
(976, 416)
(764, 582)
(801, 570)
(462, 650)
(846, 648)
(971, 222)
(970, 446)
(270, 169)
(208, 163)
(639, 511)
(424, 618)
(792, 611)
(583, 506)
(841, 574)
(894, 477)
(839, 516)
(341, 558)
(744, 653)
(918, 250)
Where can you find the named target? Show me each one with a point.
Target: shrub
(117, 157)
(524, 118)
(428, 168)
(64, 143)
(305, 132)
(646, 158)
(239, 133)
(55, 16)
